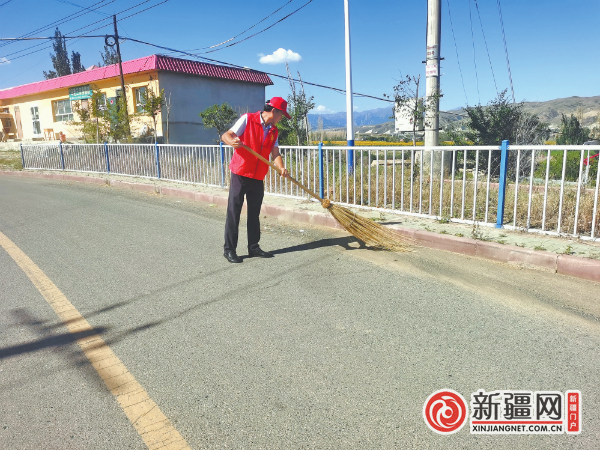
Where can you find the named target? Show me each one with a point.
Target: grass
(391, 189)
(11, 159)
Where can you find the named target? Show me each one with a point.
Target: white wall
(191, 94)
(403, 121)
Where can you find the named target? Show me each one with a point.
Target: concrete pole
(432, 77)
(349, 107)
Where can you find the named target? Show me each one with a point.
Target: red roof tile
(153, 62)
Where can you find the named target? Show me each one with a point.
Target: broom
(365, 230)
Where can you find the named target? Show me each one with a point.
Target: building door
(18, 122)
(35, 117)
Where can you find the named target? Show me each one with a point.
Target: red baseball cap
(280, 104)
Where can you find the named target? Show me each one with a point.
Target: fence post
(321, 178)
(107, 160)
(22, 156)
(62, 158)
(157, 160)
(222, 164)
(502, 184)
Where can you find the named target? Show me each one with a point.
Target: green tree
(287, 134)
(295, 130)
(93, 123)
(298, 107)
(503, 120)
(60, 58)
(491, 124)
(220, 117)
(571, 132)
(108, 57)
(152, 105)
(120, 121)
(76, 63)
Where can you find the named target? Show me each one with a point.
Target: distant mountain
(549, 111)
(338, 120)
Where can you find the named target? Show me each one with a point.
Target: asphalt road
(326, 346)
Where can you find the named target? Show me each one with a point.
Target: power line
(65, 19)
(81, 28)
(247, 29)
(457, 58)
(342, 91)
(474, 59)
(261, 31)
(506, 52)
(2, 4)
(143, 10)
(79, 6)
(245, 68)
(50, 37)
(486, 46)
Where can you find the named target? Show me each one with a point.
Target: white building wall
(191, 94)
(404, 121)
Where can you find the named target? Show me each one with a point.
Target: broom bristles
(371, 233)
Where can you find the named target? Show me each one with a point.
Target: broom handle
(297, 183)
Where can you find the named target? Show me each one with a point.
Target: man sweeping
(257, 131)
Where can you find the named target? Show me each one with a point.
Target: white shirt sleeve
(239, 127)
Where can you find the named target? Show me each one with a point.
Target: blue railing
(547, 189)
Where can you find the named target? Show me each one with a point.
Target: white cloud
(322, 110)
(4, 61)
(279, 56)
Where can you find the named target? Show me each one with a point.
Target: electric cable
(486, 46)
(81, 28)
(247, 29)
(261, 31)
(506, 52)
(65, 19)
(341, 91)
(457, 58)
(474, 59)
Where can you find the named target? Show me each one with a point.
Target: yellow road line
(145, 415)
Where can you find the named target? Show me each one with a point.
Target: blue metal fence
(533, 188)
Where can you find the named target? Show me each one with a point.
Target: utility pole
(349, 107)
(121, 73)
(432, 74)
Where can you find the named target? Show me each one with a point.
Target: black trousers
(254, 191)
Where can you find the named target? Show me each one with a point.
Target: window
(102, 102)
(35, 119)
(62, 110)
(140, 98)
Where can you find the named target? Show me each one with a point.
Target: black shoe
(232, 257)
(260, 253)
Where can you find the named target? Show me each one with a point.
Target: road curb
(574, 266)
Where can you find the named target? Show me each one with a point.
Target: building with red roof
(44, 110)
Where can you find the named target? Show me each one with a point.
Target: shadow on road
(47, 337)
(342, 241)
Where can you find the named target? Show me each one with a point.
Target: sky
(552, 45)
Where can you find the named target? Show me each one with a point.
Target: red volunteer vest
(243, 162)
